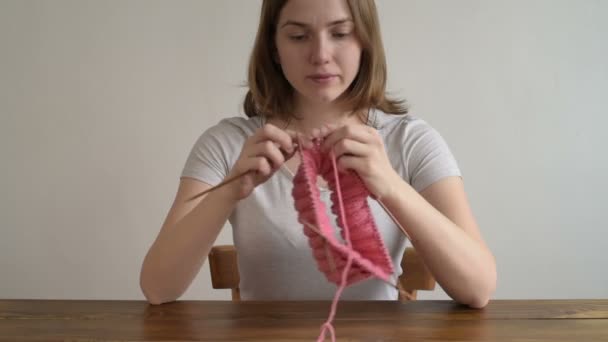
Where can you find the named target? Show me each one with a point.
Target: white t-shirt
(274, 257)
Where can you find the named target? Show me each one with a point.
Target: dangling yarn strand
(334, 303)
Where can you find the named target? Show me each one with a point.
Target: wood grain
(73, 320)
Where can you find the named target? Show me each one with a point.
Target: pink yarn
(363, 254)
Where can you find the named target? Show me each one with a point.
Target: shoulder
(232, 131)
(416, 148)
(235, 126)
(217, 147)
(402, 128)
(227, 136)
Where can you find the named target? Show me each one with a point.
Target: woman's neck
(314, 116)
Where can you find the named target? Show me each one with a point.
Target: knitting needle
(394, 219)
(226, 182)
(296, 147)
(286, 155)
(232, 179)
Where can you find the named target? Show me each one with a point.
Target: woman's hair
(270, 94)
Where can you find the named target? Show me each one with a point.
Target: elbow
(151, 293)
(482, 296)
(479, 302)
(154, 300)
(153, 297)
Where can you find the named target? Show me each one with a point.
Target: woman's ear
(275, 56)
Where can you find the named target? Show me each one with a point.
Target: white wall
(100, 102)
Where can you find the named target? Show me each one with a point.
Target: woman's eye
(297, 37)
(340, 34)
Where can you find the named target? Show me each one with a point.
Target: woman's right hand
(263, 153)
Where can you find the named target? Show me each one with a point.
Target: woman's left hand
(360, 148)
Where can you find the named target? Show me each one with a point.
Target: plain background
(101, 101)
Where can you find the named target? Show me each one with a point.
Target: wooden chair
(225, 273)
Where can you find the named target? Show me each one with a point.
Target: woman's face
(318, 50)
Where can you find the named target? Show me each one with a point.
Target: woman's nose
(320, 50)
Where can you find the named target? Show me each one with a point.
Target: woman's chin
(323, 97)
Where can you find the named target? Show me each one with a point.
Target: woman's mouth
(323, 78)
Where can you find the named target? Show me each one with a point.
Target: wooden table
(530, 321)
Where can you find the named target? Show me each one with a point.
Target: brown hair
(270, 94)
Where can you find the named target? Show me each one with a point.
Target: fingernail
(324, 131)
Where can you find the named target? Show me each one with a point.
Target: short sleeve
(207, 160)
(217, 149)
(427, 156)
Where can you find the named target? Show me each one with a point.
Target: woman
(318, 70)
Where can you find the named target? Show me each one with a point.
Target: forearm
(178, 253)
(463, 266)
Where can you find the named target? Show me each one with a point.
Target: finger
(270, 151)
(351, 163)
(261, 166)
(326, 129)
(293, 135)
(277, 135)
(295, 143)
(354, 132)
(305, 141)
(249, 180)
(350, 147)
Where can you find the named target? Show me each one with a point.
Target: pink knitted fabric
(362, 254)
(370, 257)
